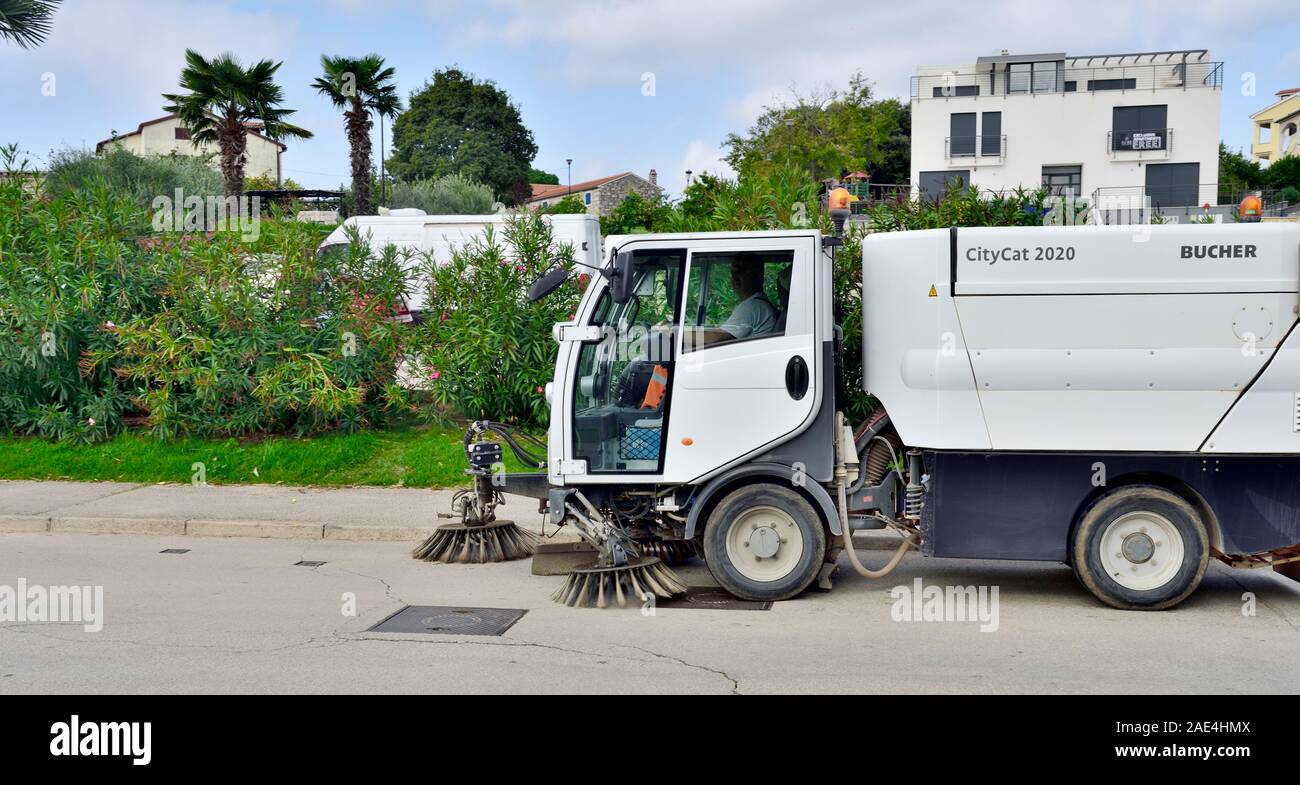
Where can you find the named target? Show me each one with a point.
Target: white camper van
(436, 235)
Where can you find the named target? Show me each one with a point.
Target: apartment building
(1100, 127)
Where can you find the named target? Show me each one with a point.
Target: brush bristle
(621, 586)
(466, 544)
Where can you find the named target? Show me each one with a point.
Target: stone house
(601, 196)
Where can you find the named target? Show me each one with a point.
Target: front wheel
(764, 542)
(1141, 548)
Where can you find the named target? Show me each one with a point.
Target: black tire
(1105, 575)
(793, 514)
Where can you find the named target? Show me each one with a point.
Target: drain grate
(447, 620)
(309, 564)
(176, 550)
(711, 598)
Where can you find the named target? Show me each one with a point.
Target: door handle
(796, 377)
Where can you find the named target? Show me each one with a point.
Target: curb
(24, 524)
(211, 527)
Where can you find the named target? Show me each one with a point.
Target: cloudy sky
(615, 85)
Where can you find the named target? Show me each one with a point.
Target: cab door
(747, 374)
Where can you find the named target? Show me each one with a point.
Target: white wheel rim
(1142, 550)
(764, 544)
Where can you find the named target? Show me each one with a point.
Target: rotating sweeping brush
(474, 543)
(670, 552)
(632, 583)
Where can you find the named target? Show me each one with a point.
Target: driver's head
(747, 277)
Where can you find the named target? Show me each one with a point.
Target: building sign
(1140, 140)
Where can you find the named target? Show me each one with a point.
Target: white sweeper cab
(1126, 401)
(420, 236)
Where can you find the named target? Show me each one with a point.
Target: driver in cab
(753, 315)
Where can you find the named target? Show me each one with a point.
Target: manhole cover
(712, 598)
(176, 550)
(446, 620)
(309, 564)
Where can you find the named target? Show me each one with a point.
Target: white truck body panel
(915, 358)
(436, 235)
(1085, 338)
(1252, 425)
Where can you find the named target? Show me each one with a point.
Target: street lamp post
(568, 162)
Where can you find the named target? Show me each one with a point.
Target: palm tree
(224, 97)
(26, 22)
(359, 85)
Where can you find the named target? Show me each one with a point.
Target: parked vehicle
(1124, 401)
(435, 236)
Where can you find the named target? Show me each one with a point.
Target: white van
(436, 235)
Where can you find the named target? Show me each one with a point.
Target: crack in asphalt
(735, 685)
(515, 644)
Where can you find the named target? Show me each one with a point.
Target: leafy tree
(223, 96)
(1283, 173)
(457, 124)
(542, 178)
(27, 22)
(359, 86)
(1236, 172)
(826, 134)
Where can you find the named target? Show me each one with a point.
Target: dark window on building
(961, 133)
(1112, 84)
(1018, 77)
(1045, 77)
(1140, 127)
(1173, 185)
(1071, 87)
(957, 91)
(991, 135)
(1063, 180)
(182, 133)
(934, 185)
(1035, 77)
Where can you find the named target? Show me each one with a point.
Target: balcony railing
(970, 82)
(986, 146)
(1140, 141)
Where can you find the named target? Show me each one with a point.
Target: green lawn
(412, 456)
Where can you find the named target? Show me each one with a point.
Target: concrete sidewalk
(393, 514)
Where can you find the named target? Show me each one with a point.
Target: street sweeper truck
(1125, 400)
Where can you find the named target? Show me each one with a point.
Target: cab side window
(735, 296)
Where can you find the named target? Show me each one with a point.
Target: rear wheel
(1141, 548)
(764, 542)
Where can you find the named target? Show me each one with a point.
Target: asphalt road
(236, 615)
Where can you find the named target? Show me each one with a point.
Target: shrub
(101, 328)
(139, 178)
(569, 205)
(264, 337)
(1290, 195)
(449, 195)
(484, 348)
(69, 268)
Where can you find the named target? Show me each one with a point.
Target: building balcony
(1140, 144)
(976, 150)
(975, 82)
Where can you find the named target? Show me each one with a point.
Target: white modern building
(1099, 127)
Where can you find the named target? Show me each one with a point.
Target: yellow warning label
(934, 291)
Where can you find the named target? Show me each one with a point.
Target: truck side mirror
(546, 284)
(620, 279)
